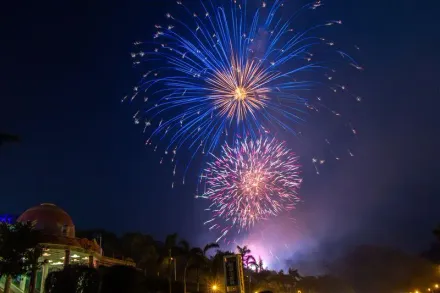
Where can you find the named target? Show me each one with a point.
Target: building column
(91, 264)
(44, 273)
(66, 257)
(23, 283)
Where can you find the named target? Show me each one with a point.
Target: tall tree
(18, 244)
(193, 258)
(197, 259)
(167, 254)
(205, 262)
(260, 265)
(217, 263)
(245, 254)
(141, 248)
(110, 242)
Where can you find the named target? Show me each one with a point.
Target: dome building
(60, 245)
(50, 219)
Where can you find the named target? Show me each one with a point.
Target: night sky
(65, 65)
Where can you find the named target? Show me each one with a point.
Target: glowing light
(251, 181)
(240, 94)
(214, 287)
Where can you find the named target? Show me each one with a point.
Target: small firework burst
(252, 180)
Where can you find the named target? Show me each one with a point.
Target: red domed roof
(50, 219)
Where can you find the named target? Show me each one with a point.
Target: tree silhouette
(18, 243)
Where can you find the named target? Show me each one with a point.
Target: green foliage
(142, 249)
(73, 279)
(18, 248)
(121, 279)
(111, 243)
(216, 263)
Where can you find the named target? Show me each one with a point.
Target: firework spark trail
(229, 71)
(250, 181)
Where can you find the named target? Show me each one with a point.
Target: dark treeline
(173, 265)
(366, 268)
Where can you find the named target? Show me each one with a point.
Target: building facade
(60, 246)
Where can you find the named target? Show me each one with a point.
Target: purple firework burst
(252, 180)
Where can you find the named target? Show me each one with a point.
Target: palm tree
(247, 258)
(205, 260)
(4, 137)
(167, 254)
(193, 258)
(217, 263)
(294, 274)
(260, 265)
(18, 244)
(196, 258)
(250, 261)
(148, 260)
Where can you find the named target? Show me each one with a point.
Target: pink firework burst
(252, 180)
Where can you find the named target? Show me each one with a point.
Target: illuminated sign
(233, 274)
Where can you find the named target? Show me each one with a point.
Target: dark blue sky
(64, 66)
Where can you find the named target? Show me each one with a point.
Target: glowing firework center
(240, 94)
(252, 182)
(237, 92)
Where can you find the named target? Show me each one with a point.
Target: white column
(44, 273)
(23, 283)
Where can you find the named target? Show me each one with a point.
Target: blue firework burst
(229, 70)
